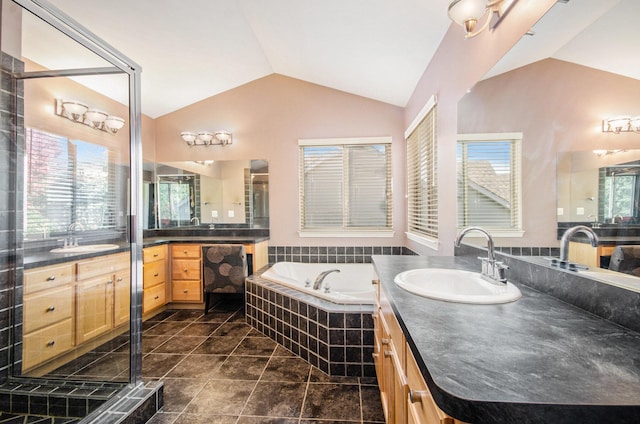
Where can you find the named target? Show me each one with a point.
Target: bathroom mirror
(209, 193)
(555, 87)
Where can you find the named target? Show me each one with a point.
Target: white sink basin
(456, 286)
(87, 248)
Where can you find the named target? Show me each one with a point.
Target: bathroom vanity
(535, 360)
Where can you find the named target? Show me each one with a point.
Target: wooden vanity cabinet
(100, 281)
(585, 254)
(403, 391)
(48, 313)
(154, 278)
(186, 273)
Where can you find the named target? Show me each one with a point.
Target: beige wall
(267, 117)
(559, 107)
(456, 66)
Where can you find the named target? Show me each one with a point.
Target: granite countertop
(45, 257)
(536, 360)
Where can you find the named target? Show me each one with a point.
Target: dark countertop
(45, 257)
(536, 360)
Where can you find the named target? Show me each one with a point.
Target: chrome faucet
(564, 242)
(70, 241)
(320, 278)
(493, 270)
(196, 220)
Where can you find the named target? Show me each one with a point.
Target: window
(345, 186)
(488, 169)
(67, 181)
(422, 178)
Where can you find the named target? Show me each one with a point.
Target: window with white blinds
(345, 185)
(422, 177)
(488, 169)
(67, 181)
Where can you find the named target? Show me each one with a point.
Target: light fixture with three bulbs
(206, 138)
(467, 13)
(79, 112)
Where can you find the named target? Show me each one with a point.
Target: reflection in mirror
(555, 88)
(209, 194)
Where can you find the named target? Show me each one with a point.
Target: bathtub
(352, 285)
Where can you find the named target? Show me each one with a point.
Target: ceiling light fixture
(467, 13)
(620, 124)
(206, 138)
(81, 113)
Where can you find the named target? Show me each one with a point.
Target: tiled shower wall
(11, 163)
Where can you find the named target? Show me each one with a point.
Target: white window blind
(489, 182)
(422, 178)
(345, 187)
(67, 182)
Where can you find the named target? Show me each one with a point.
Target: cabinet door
(94, 307)
(121, 298)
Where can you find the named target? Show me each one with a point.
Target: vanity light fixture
(81, 113)
(467, 13)
(601, 152)
(621, 124)
(206, 138)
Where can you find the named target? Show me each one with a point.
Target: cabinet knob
(51, 308)
(185, 291)
(156, 274)
(186, 270)
(155, 255)
(51, 343)
(388, 353)
(374, 282)
(416, 396)
(184, 251)
(52, 278)
(386, 341)
(375, 355)
(110, 282)
(156, 298)
(374, 316)
(119, 279)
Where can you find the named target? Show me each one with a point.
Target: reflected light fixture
(81, 113)
(206, 138)
(621, 124)
(467, 13)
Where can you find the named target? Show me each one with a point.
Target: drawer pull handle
(388, 353)
(184, 251)
(375, 355)
(185, 291)
(186, 270)
(155, 255)
(417, 395)
(110, 282)
(156, 274)
(51, 308)
(52, 278)
(50, 343)
(386, 341)
(156, 298)
(119, 279)
(375, 282)
(374, 316)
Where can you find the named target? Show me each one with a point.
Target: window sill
(431, 243)
(341, 234)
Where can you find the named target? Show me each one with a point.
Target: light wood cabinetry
(69, 304)
(403, 391)
(260, 254)
(96, 293)
(186, 273)
(154, 278)
(585, 254)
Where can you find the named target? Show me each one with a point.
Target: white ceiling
(194, 49)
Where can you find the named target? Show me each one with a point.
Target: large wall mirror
(555, 87)
(207, 194)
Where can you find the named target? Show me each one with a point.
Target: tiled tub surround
(338, 339)
(333, 254)
(542, 360)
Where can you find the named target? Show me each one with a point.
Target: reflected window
(488, 169)
(67, 181)
(176, 200)
(620, 193)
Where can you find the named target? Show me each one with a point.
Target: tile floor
(217, 369)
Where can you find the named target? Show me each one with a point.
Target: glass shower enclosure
(71, 246)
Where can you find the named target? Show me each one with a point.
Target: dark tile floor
(217, 369)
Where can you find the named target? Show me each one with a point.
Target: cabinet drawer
(153, 297)
(102, 265)
(423, 409)
(185, 269)
(47, 277)
(47, 307)
(155, 253)
(186, 291)
(186, 251)
(154, 273)
(44, 344)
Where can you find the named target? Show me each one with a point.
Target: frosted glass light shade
(635, 123)
(74, 110)
(461, 11)
(205, 136)
(95, 117)
(188, 137)
(114, 123)
(619, 123)
(223, 137)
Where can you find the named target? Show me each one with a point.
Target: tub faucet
(493, 270)
(195, 220)
(321, 277)
(564, 242)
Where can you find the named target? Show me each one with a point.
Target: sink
(454, 285)
(87, 248)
